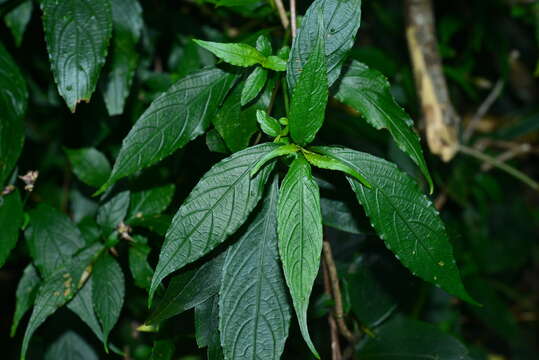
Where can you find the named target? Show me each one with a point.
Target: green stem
(500, 165)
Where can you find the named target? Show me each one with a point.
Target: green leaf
(17, 20)
(155, 223)
(310, 96)
(82, 305)
(70, 346)
(254, 311)
(263, 44)
(368, 92)
(404, 218)
(233, 53)
(141, 270)
(25, 295)
(280, 151)
(150, 202)
(13, 102)
(108, 291)
(90, 165)
(215, 142)
(57, 289)
(253, 85)
(77, 34)
(173, 119)
(300, 237)
(163, 350)
(113, 212)
(243, 55)
(188, 290)
(218, 205)
(326, 162)
(11, 218)
(338, 215)
(127, 24)
(52, 239)
(207, 327)
(269, 125)
(341, 22)
(407, 339)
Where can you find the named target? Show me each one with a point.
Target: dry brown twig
(282, 13)
(335, 345)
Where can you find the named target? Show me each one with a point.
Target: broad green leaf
(141, 270)
(404, 218)
(263, 44)
(215, 142)
(341, 22)
(269, 125)
(77, 34)
(173, 119)
(113, 211)
(254, 312)
(300, 237)
(150, 202)
(155, 223)
(70, 346)
(57, 289)
(52, 239)
(244, 55)
(277, 152)
(337, 214)
(310, 96)
(25, 295)
(207, 327)
(253, 84)
(17, 20)
(188, 290)
(90, 165)
(163, 350)
(326, 162)
(82, 305)
(108, 292)
(218, 205)
(127, 25)
(13, 102)
(407, 339)
(11, 218)
(368, 92)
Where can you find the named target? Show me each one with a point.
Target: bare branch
(282, 13)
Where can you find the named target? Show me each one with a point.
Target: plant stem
(282, 13)
(336, 290)
(293, 17)
(336, 353)
(500, 165)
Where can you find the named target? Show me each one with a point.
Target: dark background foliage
(492, 218)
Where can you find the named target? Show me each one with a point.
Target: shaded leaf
(107, 278)
(341, 22)
(395, 203)
(150, 202)
(368, 92)
(77, 34)
(207, 327)
(309, 97)
(179, 115)
(13, 102)
(90, 165)
(162, 350)
(215, 142)
(300, 237)
(17, 20)
(82, 305)
(338, 215)
(141, 270)
(218, 205)
(11, 218)
(70, 346)
(113, 211)
(253, 85)
(127, 25)
(52, 239)
(25, 295)
(57, 289)
(188, 290)
(406, 339)
(254, 311)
